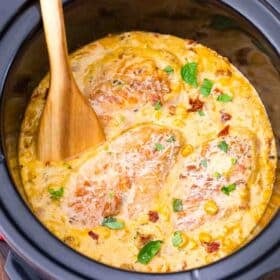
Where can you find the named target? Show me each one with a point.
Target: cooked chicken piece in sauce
(126, 83)
(216, 175)
(125, 179)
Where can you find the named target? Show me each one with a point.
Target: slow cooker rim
(4, 170)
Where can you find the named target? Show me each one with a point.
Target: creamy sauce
(188, 158)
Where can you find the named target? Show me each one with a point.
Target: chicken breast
(217, 177)
(124, 81)
(124, 178)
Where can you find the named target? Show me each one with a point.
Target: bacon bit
(143, 239)
(196, 105)
(93, 235)
(225, 117)
(212, 247)
(172, 110)
(217, 91)
(181, 176)
(224, 131)
(153, 216)
(191, 167)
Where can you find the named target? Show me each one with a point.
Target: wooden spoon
(68, 125)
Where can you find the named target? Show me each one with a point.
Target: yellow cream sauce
(177, 158)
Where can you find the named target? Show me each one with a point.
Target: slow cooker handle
(17, 269)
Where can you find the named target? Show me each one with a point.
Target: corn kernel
(168, 96)
(158, 115)
(205, 237)
(192, 244)
(185, 240)
(178, 122)
(188, 149)
(228, 245)
(181, 111)
(143, 219)
(164, 212)
(104, 232)
(210, 207)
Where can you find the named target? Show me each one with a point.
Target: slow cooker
(232, 27)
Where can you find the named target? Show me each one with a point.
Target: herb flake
(157, 105)
(223, 146)
(111, 194)
(225, 98)
(159, 147)
(176, 239)
(201, 113)
(168, 69)
(177, 205)
(203, 163)
(206, 87)
(171, 139)
(228, 189)
(217, 175)
(56, 194)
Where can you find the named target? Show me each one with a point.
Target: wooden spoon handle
(52, 13)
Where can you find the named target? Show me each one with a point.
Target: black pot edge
(148, 274)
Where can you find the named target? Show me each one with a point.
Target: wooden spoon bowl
(69, 124)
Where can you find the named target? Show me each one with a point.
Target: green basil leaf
(112, 223)
(176, 238)
(189, 73)
(206, 87)
(223, 146)
(228, 189)
(159, 147)
(146, 254)
(56, 194)
(157, 105)
(168, 69)
(224, 98)
(177, 204)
